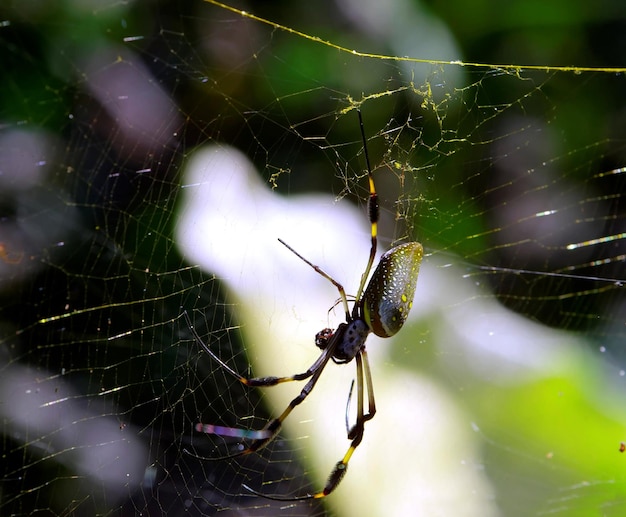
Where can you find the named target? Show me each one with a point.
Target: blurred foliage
(272, 97)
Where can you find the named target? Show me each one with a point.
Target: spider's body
(389, 295)
(382, 308)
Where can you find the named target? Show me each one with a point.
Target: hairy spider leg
(263, 436)
(355, 434)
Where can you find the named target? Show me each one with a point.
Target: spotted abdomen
(388, 297)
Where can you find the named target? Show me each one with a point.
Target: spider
(382, 308)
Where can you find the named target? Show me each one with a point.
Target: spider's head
(323, 337)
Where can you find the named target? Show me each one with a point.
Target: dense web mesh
(151, 154)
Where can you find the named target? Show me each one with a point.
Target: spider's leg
(373, 213)
(355, 434)
(342, 291)
(254, 381)
(260, 438)
(359, 389)
(347, 416)
(263, 436)
(369, 385)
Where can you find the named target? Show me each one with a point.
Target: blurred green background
(511, 178)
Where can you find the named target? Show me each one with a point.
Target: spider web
(152, 153)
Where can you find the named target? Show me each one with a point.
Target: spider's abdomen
(388, 297)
